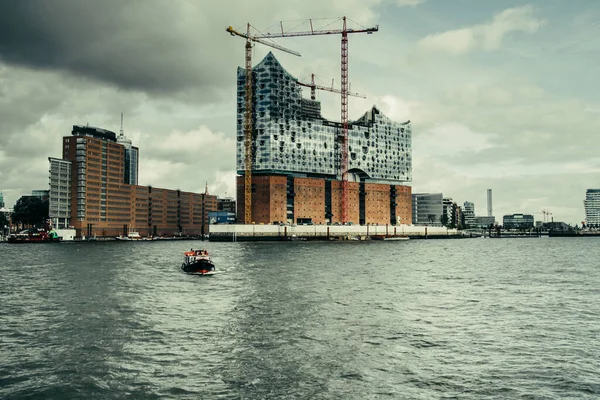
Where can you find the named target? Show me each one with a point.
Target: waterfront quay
(239, 232)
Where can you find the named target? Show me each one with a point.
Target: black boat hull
(202, 267)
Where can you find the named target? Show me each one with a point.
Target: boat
(396, 238)
(198, 262)
(130, 236)
(34, 235)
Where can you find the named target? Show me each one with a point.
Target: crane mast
(248, 114)
(344, 93)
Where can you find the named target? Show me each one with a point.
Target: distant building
(518, 221)
(427, 208)
(101, 202)
(469, 212)
(41, 194)
(60, 193)
(557, 226)
(132, 155)
(1, 200)
(447, 209)
(226, 204)
(458, 218)
(221, 217)
(592, 208)
(483, 222)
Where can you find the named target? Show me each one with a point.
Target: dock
(255, 233)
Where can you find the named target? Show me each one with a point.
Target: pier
(248, 233)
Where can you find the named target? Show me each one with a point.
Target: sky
(502, 95)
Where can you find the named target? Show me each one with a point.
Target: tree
(444, 219)
(3, 221)
(30, 210)
(431, 218)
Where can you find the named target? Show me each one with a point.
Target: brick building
(296, 157)
(96, 167)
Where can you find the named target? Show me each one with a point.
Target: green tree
(444, 219)
(3, 221)
(30, 210)
(431, 218)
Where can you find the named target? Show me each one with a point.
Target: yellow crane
(248, 114)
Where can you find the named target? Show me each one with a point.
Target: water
(437, 319)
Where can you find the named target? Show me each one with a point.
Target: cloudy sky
(502, 94)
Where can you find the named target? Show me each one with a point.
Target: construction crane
(248, 114)
(344, 91)
(313, 87)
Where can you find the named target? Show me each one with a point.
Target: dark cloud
(148, 45)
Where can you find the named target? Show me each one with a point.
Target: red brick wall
(268, 199)
(353, 202)
(404, 204)
(309, 201)
(377, 203)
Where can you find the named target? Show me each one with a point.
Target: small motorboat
(198, 262)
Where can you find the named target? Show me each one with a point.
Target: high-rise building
(469, 213)
(489, 203)
(427, 208)
(132, 155)
(102, 203)
(296, 157)
(1, 200)
(448, 209)
(592, 208)
(60, 192)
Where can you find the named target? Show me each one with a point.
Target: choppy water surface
(437, 319)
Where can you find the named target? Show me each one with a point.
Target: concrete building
(296, 157)
(458, 218)
(60, 193)
(1, 200)
(469, 213)
(448, 209)
(483, 222)
(226, 204)
(518, 221)
(592, 208)
(427, 208)
(103, 204)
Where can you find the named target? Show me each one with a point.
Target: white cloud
(487, 36)
(451, 140)
(411, 3)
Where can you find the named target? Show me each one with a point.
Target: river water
(418, 319)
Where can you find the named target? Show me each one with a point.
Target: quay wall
(240, 232)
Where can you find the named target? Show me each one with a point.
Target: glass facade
(592, 208)
(130, 173)
(289, 135)
(60, 192)
(518, 221)
(427, 208)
